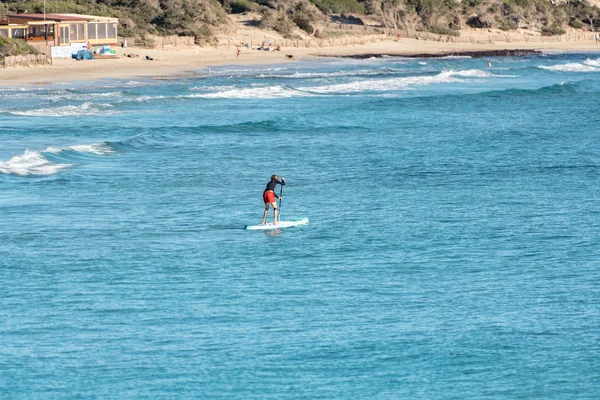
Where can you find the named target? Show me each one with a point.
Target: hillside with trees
(201, 18)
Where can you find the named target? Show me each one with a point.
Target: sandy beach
(194, 60)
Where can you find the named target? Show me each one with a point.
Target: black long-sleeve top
(271, 186)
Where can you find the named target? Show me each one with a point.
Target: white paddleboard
(280, 224)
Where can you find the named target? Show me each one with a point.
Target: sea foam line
(588, 65)
(268, 92)
(94, 148)
(383, 85)
(280, 91)
(305, 75)
(86, 108)
(66, 95)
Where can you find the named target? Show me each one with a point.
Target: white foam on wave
(65, 95)
(86, 108)
(453, 57)
(593, 63)
(211, 88)
(305, 75)
(588, 65)
(265, 92)
(94, 148)
(387, 84)
(377, 85)
(475, 73)
(30, 163)
(18, 95)
(21, 89)
(142, 99)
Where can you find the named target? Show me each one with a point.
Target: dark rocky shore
(474, 54)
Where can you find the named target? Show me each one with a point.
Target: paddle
(280, 193)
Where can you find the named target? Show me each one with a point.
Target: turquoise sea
(453, 248)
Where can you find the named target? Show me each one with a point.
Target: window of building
(92, 31)
(112, 31)
(64, 35)
(102, 31)
(18, 33)
(77, 32)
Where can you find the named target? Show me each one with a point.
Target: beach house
(49, 31)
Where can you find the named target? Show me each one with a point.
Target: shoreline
(472, 54)
(192, 61)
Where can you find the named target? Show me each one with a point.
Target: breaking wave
(86, 108)
(36, 163)
(370, 85)
(267, 92)
(67, 95)
(477, 73)
(95, 148)
(313, 75)
(588, 65)
(381, 85)
(30, 163)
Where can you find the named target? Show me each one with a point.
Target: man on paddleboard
(269, 197)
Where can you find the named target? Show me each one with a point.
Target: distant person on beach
(239, 51)
(597, 37)
(270, 197)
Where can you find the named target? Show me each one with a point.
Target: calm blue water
(453, 250)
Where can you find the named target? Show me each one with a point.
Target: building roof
(92, 17)
(52, 17)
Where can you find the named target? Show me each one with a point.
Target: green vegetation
(340, 6)
(448, 17)
(541, 15)
(14, 47)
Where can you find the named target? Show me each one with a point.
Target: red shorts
(269, 197)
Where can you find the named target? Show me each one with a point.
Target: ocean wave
(305, 75)
(36, 163)
(593, 63)
(473, 73)
(68, 95)
(30, 163)
(588, 65)
(143, 99)
(212, 88)
(266, 92)
(21, 89)
(101, 148)
(388, 84)
(237, 72)
(367, 85)
(453, 57)
(86, 108)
